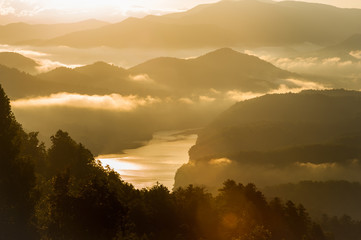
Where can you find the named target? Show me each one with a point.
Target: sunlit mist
(109, 10)
(113, 102)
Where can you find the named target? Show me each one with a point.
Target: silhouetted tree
(197, 214)
(65, 154)
(341, 228)
(17, 179)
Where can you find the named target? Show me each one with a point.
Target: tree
(17, 180)
(197, 215)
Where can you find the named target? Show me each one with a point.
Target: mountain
(71, 80)
(280, 138)
(18, 61)
(100, 78)
(20, 84)
(348, 49)
(102, 70)
(222, 69)
(135, 32)
(64, 74)
(248, 23)
(17, 33)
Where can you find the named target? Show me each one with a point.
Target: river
(155, 162)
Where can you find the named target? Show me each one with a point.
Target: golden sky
(108, 10)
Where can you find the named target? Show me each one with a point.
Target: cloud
(186, 100)
(314, 166)
(112, 102)
(5, 9)
(315, 65)
(214, 91)
(212, 175)
(24, 52)
(206, 99)
(41, 58)
(21, 8)
(141, 78)
(46, 65)
(297, 86)
(333, 66)
(220, 161)
(356, 54)
(300, 85)
(236, 95)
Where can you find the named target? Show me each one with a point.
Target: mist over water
(155, 162)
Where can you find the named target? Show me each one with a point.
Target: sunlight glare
(120, 164)
(86, 4)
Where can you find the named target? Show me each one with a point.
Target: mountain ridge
(304, 133)
(20, 32)
(220, 69)
(234, 23)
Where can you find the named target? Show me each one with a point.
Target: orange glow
(230, 220)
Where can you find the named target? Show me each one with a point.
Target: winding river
(155, 162)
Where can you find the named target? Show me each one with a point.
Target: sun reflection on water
(155, 162)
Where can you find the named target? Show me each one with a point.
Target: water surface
(155, 162)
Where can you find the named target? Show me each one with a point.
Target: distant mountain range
(225, 23)
(17, 33)
(222, 70)
(18, 61)
(20, 85)
(349, 49)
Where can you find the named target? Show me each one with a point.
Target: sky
(36, 11)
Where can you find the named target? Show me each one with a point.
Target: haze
(187, 120)
(43, 11)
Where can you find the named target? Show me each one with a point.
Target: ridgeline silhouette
(247, 23)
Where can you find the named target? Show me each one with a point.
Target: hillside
(222, 69)
(142, 33)
(103, 70)
(226, 23)
(347, 49)
(16, 33)
(19, 84)
(313, 134)
(100, 78)
(18, 61)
